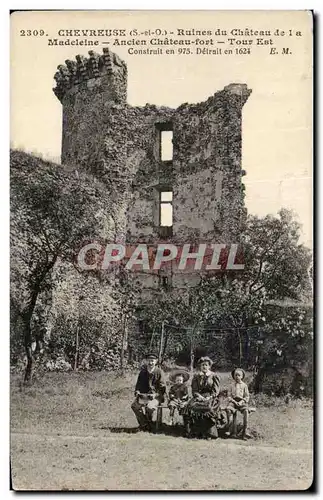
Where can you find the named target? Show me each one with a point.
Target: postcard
(161, 306)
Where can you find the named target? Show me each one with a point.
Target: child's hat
(240, 370)
(205, 359)
(179, 371)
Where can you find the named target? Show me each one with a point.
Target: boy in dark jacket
(149, 392)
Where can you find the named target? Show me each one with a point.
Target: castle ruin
(195, 194)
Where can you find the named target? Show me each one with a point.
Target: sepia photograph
(161, 250)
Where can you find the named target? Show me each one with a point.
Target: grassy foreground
(73, 431)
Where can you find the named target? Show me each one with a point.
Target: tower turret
(87, 86)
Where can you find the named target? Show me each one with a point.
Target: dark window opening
(164, 282)
(165, 232)
(143, 326)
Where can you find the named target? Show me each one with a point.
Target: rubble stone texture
(122, 145)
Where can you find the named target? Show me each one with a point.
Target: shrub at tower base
(260, 319)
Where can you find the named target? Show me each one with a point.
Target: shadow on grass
(120, 430)
(177, 430)
(168, 430)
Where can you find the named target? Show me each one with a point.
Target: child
(178, 393)
(238, 401)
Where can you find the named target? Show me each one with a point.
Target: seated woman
(201, 413)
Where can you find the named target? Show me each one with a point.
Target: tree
(127, 295)
(286, 350)
(275, 260)
(276, 266)
(85, 326)
(53, 211)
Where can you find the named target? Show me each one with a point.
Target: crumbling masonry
(122, 144)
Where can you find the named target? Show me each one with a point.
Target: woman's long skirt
(202, 417)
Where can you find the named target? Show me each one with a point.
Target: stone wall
(121, 144)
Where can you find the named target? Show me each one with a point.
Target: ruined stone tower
(198, 187)
(85, 87)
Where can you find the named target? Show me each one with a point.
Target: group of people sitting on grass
(202, 412)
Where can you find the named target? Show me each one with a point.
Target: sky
(277, 118)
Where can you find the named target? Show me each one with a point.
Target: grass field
(74, 431)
